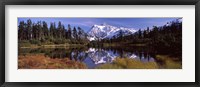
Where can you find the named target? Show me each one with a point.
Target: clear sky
(87, 23)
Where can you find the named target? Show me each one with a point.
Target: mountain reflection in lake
(93, 57)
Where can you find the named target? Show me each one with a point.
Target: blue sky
(87, 23)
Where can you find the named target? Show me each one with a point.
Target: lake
(94, 57)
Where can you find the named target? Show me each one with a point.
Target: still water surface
(93, 57)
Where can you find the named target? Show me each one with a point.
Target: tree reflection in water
(94, 56)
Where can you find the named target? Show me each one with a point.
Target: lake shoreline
(93, 57)
(53, 46)
(80, 45)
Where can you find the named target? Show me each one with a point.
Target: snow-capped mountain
(107, 31)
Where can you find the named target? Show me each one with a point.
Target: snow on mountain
(100, 56)
(179, 20)
(108, 31)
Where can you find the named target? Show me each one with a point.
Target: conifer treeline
(34, 32)
(165, 38)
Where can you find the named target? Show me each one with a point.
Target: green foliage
(35, 42)
(24, 43)
(59, 41)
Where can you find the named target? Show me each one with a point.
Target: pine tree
(29, 29)
(121, 35)
(34, 31)
(55, 35)
(80, 32)
(59, 29)
(63, 31)
(69, 32)
(75, 33)
(45, 29)
(51, 31)
(139, 33)
(21, 30)
(40, 31)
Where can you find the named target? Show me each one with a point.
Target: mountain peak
(104, 24)
(100, 25)
(104, 30)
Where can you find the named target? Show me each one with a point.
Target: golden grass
(42, 62)
(39, 61)
(126, 63)
(169, 63)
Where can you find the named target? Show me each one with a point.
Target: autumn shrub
(44, 62)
